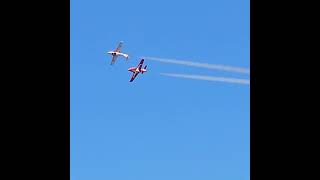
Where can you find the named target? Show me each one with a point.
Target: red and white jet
(117, 53)
(137, 70)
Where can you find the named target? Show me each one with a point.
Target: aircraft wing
(119, 47)
(140, 64)
(114, 58)
(134, 76)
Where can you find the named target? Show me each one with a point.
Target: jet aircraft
(117, 53)
(137, 70)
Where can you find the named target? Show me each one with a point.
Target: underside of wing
(119, 47)
(114, 58)
(133, 76)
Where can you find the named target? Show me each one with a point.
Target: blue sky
(159, 127)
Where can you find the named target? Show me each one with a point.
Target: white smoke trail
(209, 78)
(202, 65)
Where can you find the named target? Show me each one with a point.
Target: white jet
(117, 53)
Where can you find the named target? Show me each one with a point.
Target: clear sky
(159, 127)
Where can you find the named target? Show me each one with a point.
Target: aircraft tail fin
(145, 69)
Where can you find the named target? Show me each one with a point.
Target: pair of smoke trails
(204, 65)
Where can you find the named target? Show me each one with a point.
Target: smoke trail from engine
(202, 65)
(208, 78)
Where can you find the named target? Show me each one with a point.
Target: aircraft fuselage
(134, 70)
(114, 53)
